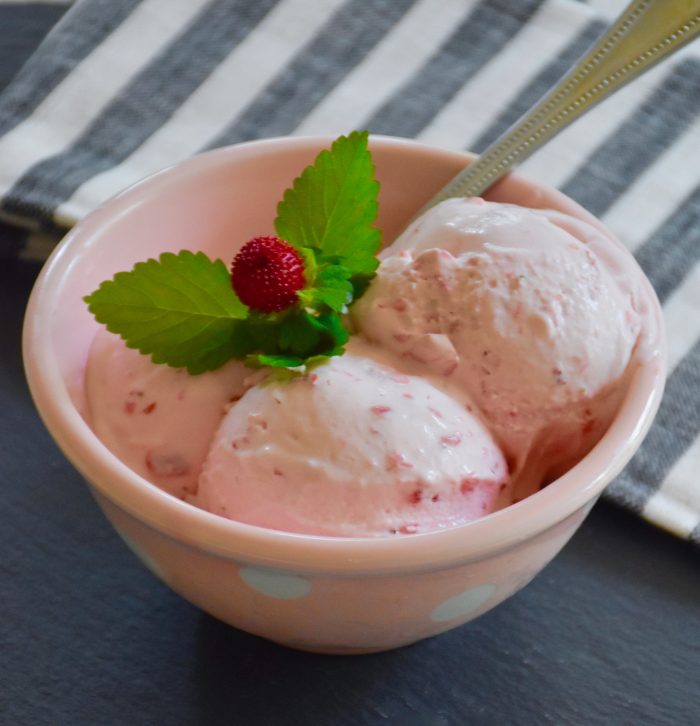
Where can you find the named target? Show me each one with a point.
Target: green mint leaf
(304, 335)
(289, 340)
(310, 265)
(299, 334)
(286, 362)
(179, 309)
(332, 206)
(263, 360)
(331, 288)
(256, 334)
(334, 335)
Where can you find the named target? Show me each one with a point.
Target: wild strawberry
(267, 274)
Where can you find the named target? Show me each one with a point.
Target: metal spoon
(644, 33)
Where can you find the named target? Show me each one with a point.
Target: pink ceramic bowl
(335, 595)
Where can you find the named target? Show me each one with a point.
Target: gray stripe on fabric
(640, 140)
(141, 108)
(674, 249)
(343, 42)
(23, 29)
(481, 35)
(539, 85)
(666, 258)
(674, 430)
(77, 34)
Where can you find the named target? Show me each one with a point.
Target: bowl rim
(575, 490)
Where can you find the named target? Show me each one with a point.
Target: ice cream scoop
(354, 448)
(158, 420)
(524, 310)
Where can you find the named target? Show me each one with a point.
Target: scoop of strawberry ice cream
(354, 448)
(523, 309)
(158, 420)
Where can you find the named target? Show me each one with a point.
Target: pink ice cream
(354, 448)
(158, 420)
(523, 310)
(492, 352)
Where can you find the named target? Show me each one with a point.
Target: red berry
(267, 274)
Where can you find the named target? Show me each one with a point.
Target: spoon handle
(645, 32)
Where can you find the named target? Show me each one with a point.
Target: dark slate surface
(22, 28)
(609, 633)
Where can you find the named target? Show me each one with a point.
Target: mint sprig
(289, 339)
(178, 309)
(182, 311)
(331, 208)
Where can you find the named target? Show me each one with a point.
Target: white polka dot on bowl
(463, 604)
(272, 583)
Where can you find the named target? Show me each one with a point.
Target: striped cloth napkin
(121, 88)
